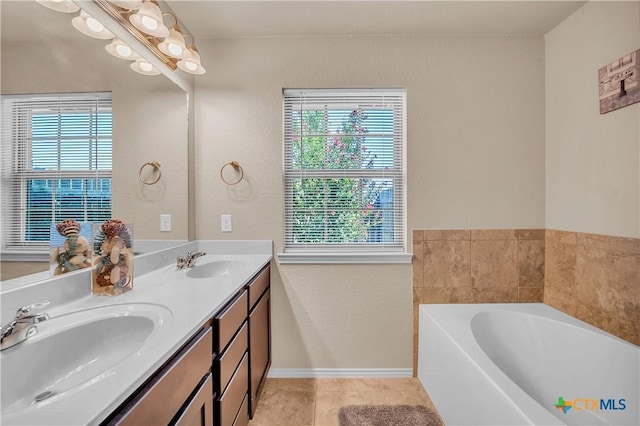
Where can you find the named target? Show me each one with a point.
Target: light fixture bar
(122, 19)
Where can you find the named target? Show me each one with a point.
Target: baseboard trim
(309, 373)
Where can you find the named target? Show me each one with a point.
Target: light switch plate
(165, 223)
(225, 223)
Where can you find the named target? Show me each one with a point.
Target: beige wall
(475, 159)
(149, 124)
(592, 160)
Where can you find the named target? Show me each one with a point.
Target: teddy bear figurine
(114, 264)
(76, 251)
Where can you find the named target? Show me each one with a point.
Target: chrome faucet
(189, 260)
(22, 326)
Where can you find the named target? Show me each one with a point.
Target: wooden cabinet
(173, 389)
(216, 378)
(259, 335)
(231, 367)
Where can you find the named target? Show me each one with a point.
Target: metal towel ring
(236, 166)
(156, 168)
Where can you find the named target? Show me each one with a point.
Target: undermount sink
(74, 350)
(215, 268)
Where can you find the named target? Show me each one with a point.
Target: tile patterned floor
(315, 402)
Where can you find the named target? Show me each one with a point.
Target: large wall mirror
(43, 53)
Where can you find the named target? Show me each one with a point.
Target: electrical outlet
(225, 223)
(165, 223)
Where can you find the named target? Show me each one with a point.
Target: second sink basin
(74, 350)
(215, 268)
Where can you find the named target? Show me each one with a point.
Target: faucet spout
(189, 260)
(22, 326)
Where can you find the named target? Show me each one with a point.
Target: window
(344, 171)
(56, 161)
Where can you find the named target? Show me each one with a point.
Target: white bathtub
(508, 364)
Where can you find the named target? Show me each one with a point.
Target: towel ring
(237, 167)
(156, 168)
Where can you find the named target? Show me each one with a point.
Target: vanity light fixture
(127, 4)
(191, 63)
(173, 45)
(66, 6)
(90, 26)
(148, 19)
(121, 50)
(143, 67)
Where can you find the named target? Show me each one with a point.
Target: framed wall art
(619, 83)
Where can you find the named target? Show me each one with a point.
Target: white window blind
(56, 164)
(344, 170)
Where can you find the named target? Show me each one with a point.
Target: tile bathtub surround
(595, 278)
(476, 266)
(316, 402)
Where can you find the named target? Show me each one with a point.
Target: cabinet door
(159, 400)
(199, 411)
(259, 347)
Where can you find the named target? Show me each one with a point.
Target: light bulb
(146, 66)
(149, 23)
(191, 66)
(123, 50)
(175, 49)
(94, 25)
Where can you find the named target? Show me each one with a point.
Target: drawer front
(229, 321)
(242, 419)
(236, 392)
(168, 391)
(199, 410)
(226, 364)
(258, 286)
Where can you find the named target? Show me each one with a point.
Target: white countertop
(192, 302)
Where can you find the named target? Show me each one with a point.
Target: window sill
(25, 256)
(344, 258)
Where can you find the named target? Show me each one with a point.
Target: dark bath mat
(388, 415)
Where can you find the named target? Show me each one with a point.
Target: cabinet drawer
(227, 322)
(160, 400)
(242, 419)
(199, 410)
(226, 364)
(258, 286)
(233, 397)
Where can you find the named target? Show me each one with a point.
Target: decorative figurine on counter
(113, 266)
(70, 251)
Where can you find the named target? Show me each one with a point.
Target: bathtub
(509, 364)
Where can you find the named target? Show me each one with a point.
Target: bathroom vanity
(203, 360)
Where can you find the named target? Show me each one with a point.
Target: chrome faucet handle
(24, 311)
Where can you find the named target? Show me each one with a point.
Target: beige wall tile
(560, 262)
(603, 319)
(495, 295)
(609, 280)
(493, 234)
(417, 266)
(530, 295)
(494, 264)
(530, 234)
(531, 263)
(448, 295)
(447, 264)
(446, 234)
(560, 300)
(417, 235)
(625, 245)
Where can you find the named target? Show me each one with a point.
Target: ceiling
(23, 21)
(222, 19)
